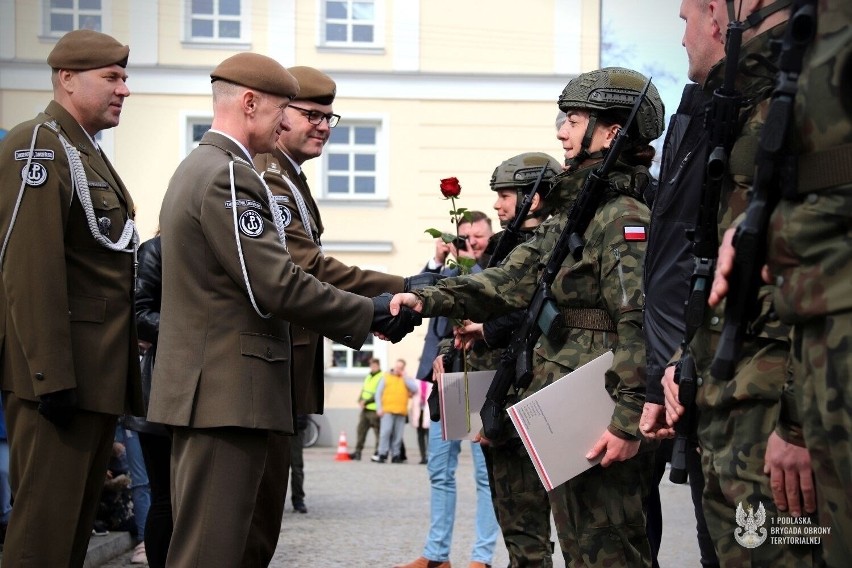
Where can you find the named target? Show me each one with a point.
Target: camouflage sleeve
(622, 251)
(494, 291)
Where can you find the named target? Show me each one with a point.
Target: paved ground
(362, 514)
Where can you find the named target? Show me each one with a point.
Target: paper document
(461, 400)
(560, 423)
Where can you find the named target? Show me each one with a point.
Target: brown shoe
(423, 562)
(478, 564)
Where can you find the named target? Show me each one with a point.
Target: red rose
(450, 187)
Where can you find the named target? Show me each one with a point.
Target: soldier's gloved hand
(421, 281)
(58, 407)
(393, 328)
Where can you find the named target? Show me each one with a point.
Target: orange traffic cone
(342, 449)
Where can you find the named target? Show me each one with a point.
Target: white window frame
(380, 149)
(379, 348)
(242, 42)
(188, 121)
(349, 43)
(76, 12)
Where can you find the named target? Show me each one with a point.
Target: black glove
(393, 327)
(58, 407)
(421, 281)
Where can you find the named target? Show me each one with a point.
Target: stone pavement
(363, 514)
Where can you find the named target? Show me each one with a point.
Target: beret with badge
(314, 85)
(258, 72)
(81, 50)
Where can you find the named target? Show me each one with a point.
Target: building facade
(426, 90)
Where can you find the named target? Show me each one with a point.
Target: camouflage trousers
(521, 504)
(823, 359)
(600, 516)
(733, 435)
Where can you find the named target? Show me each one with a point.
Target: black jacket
(149, 287)
(668, 258)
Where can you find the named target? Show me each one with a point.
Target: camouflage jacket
(755, 80)
(607, 278)
(810, 244)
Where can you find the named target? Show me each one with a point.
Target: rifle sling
(824, 169)
(594, 319)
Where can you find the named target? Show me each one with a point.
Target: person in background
(392, 394)
(443, 458)
(367, 419)
(418, 417)
(154, 438)
(297, 466)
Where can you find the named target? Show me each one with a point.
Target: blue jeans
(390, 434)
(140, 491)
(442, 465)
(5, 490)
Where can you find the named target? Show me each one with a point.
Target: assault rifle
(772, 165)
(542, 316)
(721, 122)
(511, 236)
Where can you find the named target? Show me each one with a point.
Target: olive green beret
(259, 72)
(314, 85)
(87, 49)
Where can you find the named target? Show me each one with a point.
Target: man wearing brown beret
(68, 354)
(311, 119)
(222, 376)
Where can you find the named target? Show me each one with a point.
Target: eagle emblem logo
(751, 533)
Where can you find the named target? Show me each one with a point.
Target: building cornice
(18, 75)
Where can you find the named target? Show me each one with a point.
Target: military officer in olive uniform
(69, 359)
(222, 378)
(311, 120)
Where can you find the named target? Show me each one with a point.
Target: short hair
(376, 361)
(474, 217)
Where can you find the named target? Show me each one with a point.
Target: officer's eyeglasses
(315, 117)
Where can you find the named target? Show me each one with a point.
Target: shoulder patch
(251, 223)
(636, 233)
(35, 175)
(37, 154)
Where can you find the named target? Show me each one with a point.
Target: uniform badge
(251, 223)
(286, 216)
(35, 175)
(634, 233)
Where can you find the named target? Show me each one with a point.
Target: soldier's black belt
(594, 319)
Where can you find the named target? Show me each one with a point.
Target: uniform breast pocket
(108, 212)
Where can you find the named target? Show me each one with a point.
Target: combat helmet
(521, 172)
(614, 89)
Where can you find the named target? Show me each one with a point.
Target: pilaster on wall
(406, 36)
(144, 32)
(7, 29)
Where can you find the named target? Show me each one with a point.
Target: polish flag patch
(634, 233)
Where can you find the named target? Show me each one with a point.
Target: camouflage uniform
(811, 256)
(599, 514)
(520, 500)
(736, 417)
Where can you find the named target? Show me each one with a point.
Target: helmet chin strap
(584, 154)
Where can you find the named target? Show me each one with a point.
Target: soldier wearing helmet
(599, 514)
